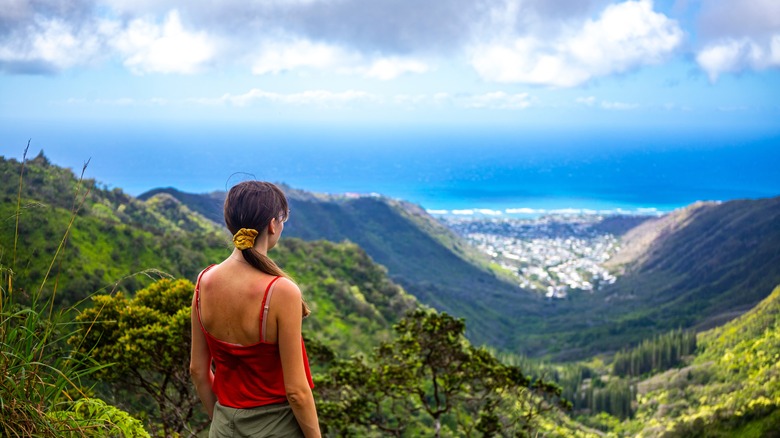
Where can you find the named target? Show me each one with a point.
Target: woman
(246, 320)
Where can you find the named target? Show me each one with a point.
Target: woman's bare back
(231, 296)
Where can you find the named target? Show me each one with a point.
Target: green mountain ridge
(712, 262)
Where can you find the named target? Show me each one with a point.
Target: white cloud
(488, 212)
(755, 19)
(391, 68)
(524, 210)
(329, 99)
(733, 56)
(607, 105)
(168, 48)
(626, 36)
(278, 56)
(620, 106)
(299, 54)
(589, 101)
(496, 100)
(323, 98)
(738, 36)
(50, 44)
(312, 97)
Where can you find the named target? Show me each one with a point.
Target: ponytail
(250, 206)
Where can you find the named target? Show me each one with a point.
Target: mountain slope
(694, 268)
(718, 259)
(730, 390)
(426, 258)
(113, 237)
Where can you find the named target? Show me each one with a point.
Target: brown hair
(253, 205)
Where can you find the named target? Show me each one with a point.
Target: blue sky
(340, 61)
(120, 80)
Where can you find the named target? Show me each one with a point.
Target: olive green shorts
(275, 420)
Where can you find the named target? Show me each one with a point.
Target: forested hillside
(730, 389)
(113, 237)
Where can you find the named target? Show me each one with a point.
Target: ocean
(464, 170)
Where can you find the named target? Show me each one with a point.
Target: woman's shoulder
(287, 298)
(287, 288)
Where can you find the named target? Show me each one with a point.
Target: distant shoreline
(532, 213)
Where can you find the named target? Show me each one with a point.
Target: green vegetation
(133, 338)
(88, 268)
(430, 381)
(730, 389)
(716, 262)
(112, 235)
(44, 389)
(656, 354)
(354, 304)
(145, 340)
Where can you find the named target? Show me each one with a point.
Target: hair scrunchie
(244, 238)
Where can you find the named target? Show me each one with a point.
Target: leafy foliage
(354, 304)
(39, 373)
(93, 417)
(146, 340)
(41, 377)
(430, 373)
(731, 388)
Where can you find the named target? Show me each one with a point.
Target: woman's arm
(287, 305)
(200, 364)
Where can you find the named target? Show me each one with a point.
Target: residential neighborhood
(555, 254)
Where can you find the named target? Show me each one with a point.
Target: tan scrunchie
(244, 238)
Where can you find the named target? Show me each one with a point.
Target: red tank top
(248, 376)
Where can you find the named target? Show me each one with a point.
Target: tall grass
(42, 379)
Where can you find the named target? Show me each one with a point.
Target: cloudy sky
(441, 61)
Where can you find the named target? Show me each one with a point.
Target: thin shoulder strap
(197, 292)
(266, 301)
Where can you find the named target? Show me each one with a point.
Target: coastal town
(555, 255)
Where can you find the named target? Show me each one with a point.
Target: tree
(430, 371)
(146, 340)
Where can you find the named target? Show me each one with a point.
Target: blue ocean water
(442, 169)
